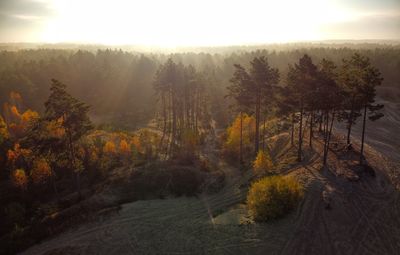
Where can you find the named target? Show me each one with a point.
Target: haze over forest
(193, 23)
(199, 127)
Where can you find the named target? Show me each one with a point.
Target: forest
(251, 133)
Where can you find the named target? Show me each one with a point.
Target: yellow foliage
(41, 171)
(109, 148)
(233, 132)
(273, 197)
(93, 156)
(29, 115)
(3, 130)
(19, 179)
(263, 163)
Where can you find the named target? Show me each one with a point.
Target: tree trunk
(257, 138)
(325, 134)
(174, 119)
(311, 128)
(363, 135)
(320, 122)
(292, 132)
(263, 135)
(77, 174)
(350, 120)
(299, 151)
(53, 182)
(241, 139)
(328, 138)
(165, 121)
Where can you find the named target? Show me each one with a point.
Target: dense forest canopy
(119, 84)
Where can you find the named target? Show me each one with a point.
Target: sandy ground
(363, 217)
(383, 134)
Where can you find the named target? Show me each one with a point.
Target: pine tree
(301, 80)
(74, 120)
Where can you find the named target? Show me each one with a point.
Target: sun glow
(190, 23)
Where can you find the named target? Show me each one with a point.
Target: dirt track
(363, 219)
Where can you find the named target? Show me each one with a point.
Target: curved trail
(363, 219)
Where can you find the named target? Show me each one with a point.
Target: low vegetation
(273, 197)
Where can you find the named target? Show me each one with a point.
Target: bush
(273, 197)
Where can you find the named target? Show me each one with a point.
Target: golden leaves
(19, 179)
(263, 163)
(41, 171)
(109, 148)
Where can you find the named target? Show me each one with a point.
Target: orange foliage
(13, 155)
(15, 112)
(41, 171)
(18, 123)
(124, 147)
(29, 115)
(3, 130)
(109, 148)
(19, 179)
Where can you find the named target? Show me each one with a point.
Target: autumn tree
(17, 121)
(254, 88)
(263, 163)
(20, 179)
(3, 130)
(238, 91)
(241, 135)
(41, 171)
(110, 148)
(74, 120)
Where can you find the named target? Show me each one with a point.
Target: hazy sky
(202, 22)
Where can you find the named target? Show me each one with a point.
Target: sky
(172, 23)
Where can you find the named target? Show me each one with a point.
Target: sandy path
(362, 218)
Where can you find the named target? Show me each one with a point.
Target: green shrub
(273, 197)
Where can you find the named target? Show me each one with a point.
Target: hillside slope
(345, 211)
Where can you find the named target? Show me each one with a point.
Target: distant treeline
(119, 85)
